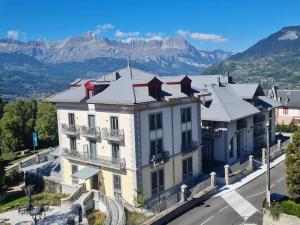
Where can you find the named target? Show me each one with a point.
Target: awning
(35, 166)
(86, 173)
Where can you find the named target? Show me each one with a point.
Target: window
(115, 151)
(156, 147)
(186, 138)
(155, 92)
(186, 115)
(73, 144)
(230, 148)
(155, 121)
(74, 169)
(117, 183)
(186, 88)
(71, 119)
(187, 168)
(91, 121)
(285, 111)
(114, 123)
(93, 150)
(157, 180)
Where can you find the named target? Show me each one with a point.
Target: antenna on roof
(129, 65)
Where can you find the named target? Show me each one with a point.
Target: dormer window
(186, 88)
(155, 92)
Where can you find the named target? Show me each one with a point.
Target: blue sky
(232, 25)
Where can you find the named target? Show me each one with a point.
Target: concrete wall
(284, 219)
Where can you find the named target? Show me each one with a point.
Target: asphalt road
(216, 211)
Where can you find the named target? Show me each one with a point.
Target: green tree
(46, 123)
(140, 200)
(293, 167)
(17, 124)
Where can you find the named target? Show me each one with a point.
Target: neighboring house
(289, 112)
(233, 126)
(114, 130)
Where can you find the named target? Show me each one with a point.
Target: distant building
(289, 112)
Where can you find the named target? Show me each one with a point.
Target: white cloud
(119, 33)
(103, 27)
(183, 33)
(201, 36)
(208, 37)
(13, 34)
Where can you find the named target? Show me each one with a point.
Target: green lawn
(19, 199)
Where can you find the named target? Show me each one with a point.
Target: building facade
(289, 112)
(130, 130)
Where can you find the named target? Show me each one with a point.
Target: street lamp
(268, 188)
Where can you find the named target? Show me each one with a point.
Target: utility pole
(268, 188)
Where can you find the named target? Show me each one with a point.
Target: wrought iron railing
(103, 161)
(160, 158)
(70, 129)
(113, 134)
(91, 132)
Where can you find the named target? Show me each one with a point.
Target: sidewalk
(243, 181)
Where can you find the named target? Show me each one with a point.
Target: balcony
(189, 148)
(212, 131)
(160, 158)
(103, 161)
(70, 129)
(259, 132)
(259, 118)
(113, 135)
(92, 133)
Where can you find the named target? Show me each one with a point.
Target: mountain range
(39, 67)
(272, 60)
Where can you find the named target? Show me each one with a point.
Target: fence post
(213, 179)
(278, 144)
(184, 192)
(251, 161)
(226, 168)
(263, 156)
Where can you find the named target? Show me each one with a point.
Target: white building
(115, 130)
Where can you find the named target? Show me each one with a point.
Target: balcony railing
(189, 147)
(259, 132)
(70, 129)
(259, 118)
(113, 134)
(104, 161)
(93, 133)
(160, 158)
(212, 131)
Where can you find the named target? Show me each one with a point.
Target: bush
(134, 218)
(291, 208)
(8, 155)
(96, 217)
(13, 177)
(286, 128)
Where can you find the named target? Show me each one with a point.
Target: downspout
(173, 160)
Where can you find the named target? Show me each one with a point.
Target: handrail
(91, 132)
(113, 134)
(70, 128)
(74, 195)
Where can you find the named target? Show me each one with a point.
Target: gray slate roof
(245, 91)
(226, 105)
(289, 98)
(72, 95)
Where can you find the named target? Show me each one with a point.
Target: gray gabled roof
(289, 98)
(72, 95)
(226, 105)
(245, 91)
(268, 103)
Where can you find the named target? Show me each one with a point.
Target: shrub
(96, 217)
(291, 208)
(13, 177)
(8, 155)
(134, 218)
(286, 128)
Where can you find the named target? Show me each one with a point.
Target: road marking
(223, 208)
(260, 193)
(279, 180)
(239, 204)
(207, 220)
(273, 185)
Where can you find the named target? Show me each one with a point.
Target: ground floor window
(157, 181)
(230, 148)
(74, 169)
(187, 168)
